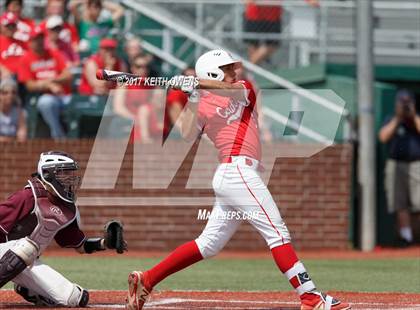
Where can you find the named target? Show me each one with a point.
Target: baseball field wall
(313, 195)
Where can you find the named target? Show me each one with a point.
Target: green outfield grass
(394, 275)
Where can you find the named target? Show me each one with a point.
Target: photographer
(401, 133)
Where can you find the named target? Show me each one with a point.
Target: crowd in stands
(39, 60)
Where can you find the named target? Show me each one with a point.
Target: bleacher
(83, 115)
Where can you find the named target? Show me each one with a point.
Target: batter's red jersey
(232, 125)
(11, 52)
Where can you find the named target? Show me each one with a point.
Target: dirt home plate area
(229, 300)
(214, 300)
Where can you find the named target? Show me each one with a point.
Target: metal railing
(333, 28)
(185, 30)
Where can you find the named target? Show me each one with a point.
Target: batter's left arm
(234, 90)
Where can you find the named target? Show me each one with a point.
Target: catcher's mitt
(114, 236)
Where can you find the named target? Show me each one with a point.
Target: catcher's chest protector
(50, 217)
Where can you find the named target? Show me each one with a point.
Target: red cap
(36, 31)
(107, 42)
(8, 18)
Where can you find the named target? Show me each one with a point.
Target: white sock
(406, 233)
(298, 272)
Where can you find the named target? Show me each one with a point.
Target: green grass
(95, 272)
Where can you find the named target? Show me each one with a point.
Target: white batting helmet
(208, 65)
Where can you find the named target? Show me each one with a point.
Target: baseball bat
(113, 76)
(124, 77)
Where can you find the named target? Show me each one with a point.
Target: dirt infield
(229, 300)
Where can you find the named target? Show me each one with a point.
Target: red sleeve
(201, 118)
(43, 26)
(249, 92)
(74, 33)
(176, 96)
(70, 236)
(16, 207)
(24, 72)
(61, 62)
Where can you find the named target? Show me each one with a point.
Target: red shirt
(19, 205)
(24, 27)
(11, 52)
(68, 34)
(36, 67)
(64, 49)
(263, 12)
(85, 88)
(174, 96)
(230, 124)
(136, 96)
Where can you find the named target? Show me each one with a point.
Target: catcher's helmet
(58, 170)
(208, 65)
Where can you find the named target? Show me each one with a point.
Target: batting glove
(194, 97)
(185, 83)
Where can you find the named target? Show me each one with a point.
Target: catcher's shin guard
(79, 297)
(34, 298)
(10, 266)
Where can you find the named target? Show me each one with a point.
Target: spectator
(68, 31)
(24, 25)
(92, 25)
(12, 115)
(175, 102)
(264, 19)
(137, 102)
(11, 50)
(106, 58)
(54, 27)
(133, 49)
(401, 133)
(46, 72)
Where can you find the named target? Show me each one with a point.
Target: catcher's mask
(60, 172)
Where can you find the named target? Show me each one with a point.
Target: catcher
(32, 217)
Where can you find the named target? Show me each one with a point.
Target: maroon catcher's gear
(10, 266)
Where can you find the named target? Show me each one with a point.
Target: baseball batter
(225, 111)
(31, 218)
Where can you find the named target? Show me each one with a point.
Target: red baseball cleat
(137, 293)
(321, 301)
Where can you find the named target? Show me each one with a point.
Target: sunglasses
(8, 92)
(56, 29)
(139, 66)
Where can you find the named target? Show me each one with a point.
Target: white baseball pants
(241, 195)
(42, 280)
